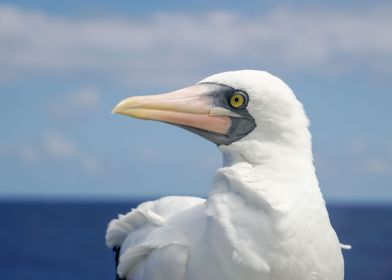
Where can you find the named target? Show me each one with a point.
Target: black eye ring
(238, 100)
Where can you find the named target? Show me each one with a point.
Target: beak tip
(122, 107)
(118, 108)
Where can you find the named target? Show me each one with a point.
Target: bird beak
(191, 107)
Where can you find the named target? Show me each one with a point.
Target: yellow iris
(237, 100)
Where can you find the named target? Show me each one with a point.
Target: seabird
(265, 217)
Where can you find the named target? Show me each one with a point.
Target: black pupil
(236, 99)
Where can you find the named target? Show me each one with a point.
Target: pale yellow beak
(190, 107)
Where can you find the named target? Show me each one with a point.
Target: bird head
(225, 108)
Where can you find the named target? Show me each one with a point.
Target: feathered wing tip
(161, 242)
(345, 246)
(118, 229)
(155, 260)
(142, 237)
(132, 257)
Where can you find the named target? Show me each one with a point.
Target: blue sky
(65, 64)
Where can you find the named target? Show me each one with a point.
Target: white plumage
(265, 217)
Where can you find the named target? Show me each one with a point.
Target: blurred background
(67, 165)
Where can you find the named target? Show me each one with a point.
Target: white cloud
(54, 146)
(90, 163)
(378, 166)
(173, 46)
(79, 101)
(59, 146)
(85, 98)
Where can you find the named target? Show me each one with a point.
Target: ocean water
(65, 240)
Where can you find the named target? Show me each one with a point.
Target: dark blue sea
(65, 240)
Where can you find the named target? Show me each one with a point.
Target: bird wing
(150, 245)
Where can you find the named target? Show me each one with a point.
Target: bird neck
(268, 174)
(257, 153)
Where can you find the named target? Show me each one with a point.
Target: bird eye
(238, 100)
